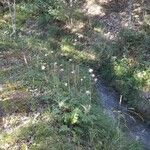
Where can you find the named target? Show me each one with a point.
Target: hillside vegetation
(50, 53)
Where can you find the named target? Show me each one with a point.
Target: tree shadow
(116, 6)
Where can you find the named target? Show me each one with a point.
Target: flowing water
(134, 127)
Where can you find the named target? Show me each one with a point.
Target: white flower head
(61, 65)
(93, 75)
(66, 84)
(70, 60)
(95, 79)
(62, 70)
(88, 92)
(43, 67)
(46, 54)
(84, 77)
(90, 70)
(73, 72)
(81, 79)
(52, 52)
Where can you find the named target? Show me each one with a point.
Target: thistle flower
(90, 70)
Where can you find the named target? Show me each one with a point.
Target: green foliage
(50, 10)
(61, 110)
(69, 117)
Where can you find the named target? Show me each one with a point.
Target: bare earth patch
(114, 15)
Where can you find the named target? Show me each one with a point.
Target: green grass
(48, 97)
(61, 104)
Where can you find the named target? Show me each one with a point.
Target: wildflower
(46, 54)
(80, 35)
(93, 75)
(61, 65)
(73, 72)
(88, 92)
(95, 79)
(70, 60)
(43, 67)
(62, 70)
(66, 84)
(55, 63)
(81, 79)
(84, 77)
(90, 70)
(52, 52)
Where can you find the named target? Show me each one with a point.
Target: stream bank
(133, 126)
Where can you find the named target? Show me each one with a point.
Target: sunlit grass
(70, 51)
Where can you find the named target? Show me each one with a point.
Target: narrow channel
(134, 126)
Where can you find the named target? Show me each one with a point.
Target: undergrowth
(48, 100)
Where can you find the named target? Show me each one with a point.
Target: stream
(134, 127)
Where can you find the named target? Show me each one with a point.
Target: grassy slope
(48, 99)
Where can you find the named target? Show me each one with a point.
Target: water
(134, 126)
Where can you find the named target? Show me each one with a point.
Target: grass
(50, 103)
(48, 99)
